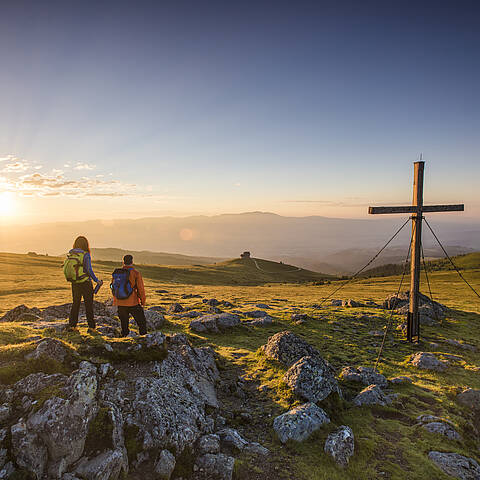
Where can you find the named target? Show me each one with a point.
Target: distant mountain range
(329, 245)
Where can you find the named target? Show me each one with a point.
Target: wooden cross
(417, 209)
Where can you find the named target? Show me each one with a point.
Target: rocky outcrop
(300, 422)
(372, 395)
(14, 314)
(259, 322)
(430, 312)
(52, 349)
(365, 375)
(311, 378)
(214, 467)
(456, 465)
(155, 319)
(175, 308)
(470, 398)
(427, 361)
(439, 426)
(215, 323)
(288, 348)
(340, 445)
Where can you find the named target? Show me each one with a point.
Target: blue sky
(177, 108)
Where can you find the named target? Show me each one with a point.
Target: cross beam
(417, 209)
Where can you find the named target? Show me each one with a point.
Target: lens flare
(7, 204)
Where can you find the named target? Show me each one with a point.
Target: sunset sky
(111, 109)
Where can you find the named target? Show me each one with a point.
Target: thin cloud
(84, 166)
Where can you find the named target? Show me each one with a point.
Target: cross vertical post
(413, 324)
(417, 209)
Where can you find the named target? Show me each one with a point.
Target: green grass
(387, 442)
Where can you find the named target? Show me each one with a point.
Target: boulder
(155, 339)
(254, 448)
(336, 303)
(340, 445)
(300, 317)
(263, 306)
(365, 375)
(402, 379)
(215, 323)
(288, 348)
(62, 423)
(209, 443)
(427, 361)
(175, 308)
(311, 378)
(106, 466)
(300, 422)
(470, 398)
(259, 322)
(430, 313)
(231, 439)
(442, 428)
(462, 345)
(5, 412)
(13, 314)
(50, 348)
(155, 319)
(165, 465)
(214, 467)
(63, 311)
(456, 465)
(372, 395)
(35, 382)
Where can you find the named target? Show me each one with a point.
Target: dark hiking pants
(79, 290)
(138, 315)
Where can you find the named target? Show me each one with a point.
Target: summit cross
(417, 209)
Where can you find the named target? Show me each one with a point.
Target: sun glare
(7, 204)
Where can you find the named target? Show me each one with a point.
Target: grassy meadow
(388, 444)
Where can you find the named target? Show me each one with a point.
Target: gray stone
(340, 445)
(456, 465)
(215, 323)
(5, 411)
(427, 361)
(29, 451)
(50, 348)
(300, 422)
(351, 303)
(255, 448)
(214, 467)
(165, 465)
(311, 378)
(209, 443)
(259, 322)
(155, 339)
(13, 314)
(155, 319)
(365, 375)
(288, 348)
(372, 395)
(106, 466)
(442, 428)
(400, 380)
(7, 470)
(231, 439)
(35, 382)
(458, 344)
(300, 317)
(175, 308)
(469, 398)
(256, 314)
(336, 303)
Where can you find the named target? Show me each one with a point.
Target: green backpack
(73, 267)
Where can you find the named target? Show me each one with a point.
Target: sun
(7, 204)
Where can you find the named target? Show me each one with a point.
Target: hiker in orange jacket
(135, 296)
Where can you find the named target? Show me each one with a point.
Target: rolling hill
(146, 257)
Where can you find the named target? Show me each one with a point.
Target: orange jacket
(138, 295)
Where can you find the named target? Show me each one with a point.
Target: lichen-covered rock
(300, 422)
(169, 401)
(254, 448)
(340, 445)
(372, 395)
(427, 361)
(106, 466)
(209, 443)
(256, 314)
(300, 317)
(155, 339)
(402, 379)
(35, 382)
(365, 375)
(155, 319)
(5, 411)
(442, 428)
(215, 323)
(311, 378)
(288, 348)
(62, 423)
(259, 322)
(456, 465)
(469, 398)
(50, 348)
(214, 467)
(13, 314)
(165, 465)
(63, 311)
(231, 439)
(29, 451)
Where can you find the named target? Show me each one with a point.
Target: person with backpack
(78, 271)
(129, 296)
